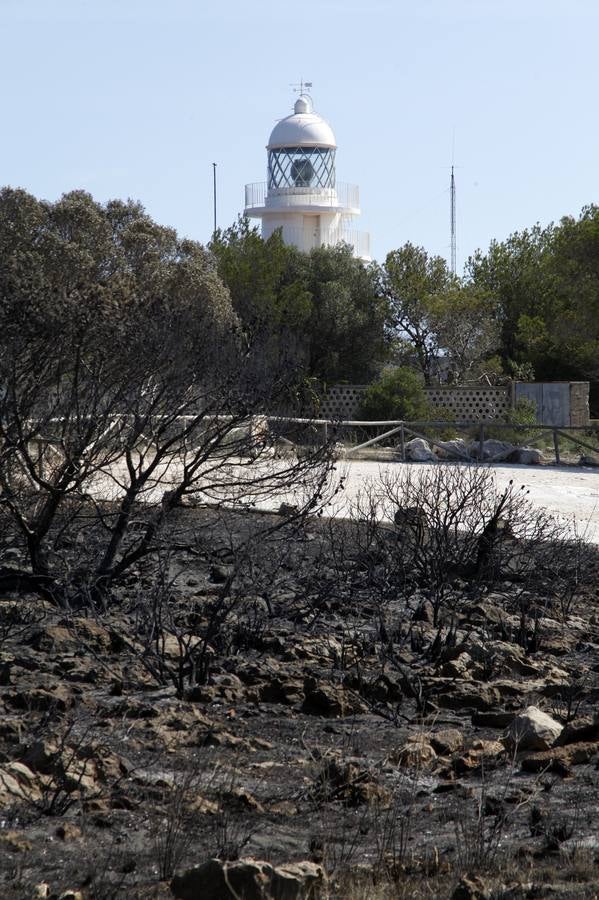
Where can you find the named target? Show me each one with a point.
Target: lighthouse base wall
(305, 231)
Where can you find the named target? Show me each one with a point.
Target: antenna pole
(214, 193)
(452, 223)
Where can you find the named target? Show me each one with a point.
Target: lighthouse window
(302, 167)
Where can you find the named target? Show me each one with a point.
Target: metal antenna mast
(214, 194)
(453, 223)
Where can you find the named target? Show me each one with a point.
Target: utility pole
(453, 223)
(214, 193)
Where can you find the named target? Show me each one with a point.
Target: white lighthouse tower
(302, 195)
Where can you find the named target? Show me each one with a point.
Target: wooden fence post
(556, 445)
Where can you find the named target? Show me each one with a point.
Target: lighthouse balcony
(343, 198)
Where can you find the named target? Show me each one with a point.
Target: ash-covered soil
(298, 693)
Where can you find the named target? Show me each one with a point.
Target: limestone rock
(447, 741)
(527, 456)
(346, 782)
(580, 730)
(492, 450)
(416, 753)
(458, 667)
(471, 695)
(560, 759)
(455, 449)
(324, 699)
(480, 755)
(533, 729)
(251, 879)
(17, 783)
(418, 450)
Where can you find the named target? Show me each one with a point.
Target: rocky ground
(305, 718)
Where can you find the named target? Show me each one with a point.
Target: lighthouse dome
(304, 128)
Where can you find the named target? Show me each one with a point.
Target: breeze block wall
(471, 404)
(467, 404)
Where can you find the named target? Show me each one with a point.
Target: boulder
(579, 731)
(560, 759)
(17, 782)
(527, 456)
(456, 449)
(479, 755)
(458, 667)
(492, 450)
(416, 753)
(533, 729)
(418, 450)
(471, 695)
(346, 782)
(251, 879)
(447, 741)
(328, 700)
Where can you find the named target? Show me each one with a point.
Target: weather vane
(300, 87)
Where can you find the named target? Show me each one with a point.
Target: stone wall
(579, 403)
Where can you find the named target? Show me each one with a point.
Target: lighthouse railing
(343, 195)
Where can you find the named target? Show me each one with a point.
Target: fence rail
(398, 428)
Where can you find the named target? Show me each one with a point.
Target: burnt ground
(307, 697)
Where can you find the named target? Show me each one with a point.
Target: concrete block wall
(473, 403)
(469, 404)
(558, 403)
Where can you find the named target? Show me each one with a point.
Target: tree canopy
(545, 284)
(318, 311)
(433, 314)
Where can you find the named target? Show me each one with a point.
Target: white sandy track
(569, 492)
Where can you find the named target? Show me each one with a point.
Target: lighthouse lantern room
(302, 195)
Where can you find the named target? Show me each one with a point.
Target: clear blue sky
(137, 98)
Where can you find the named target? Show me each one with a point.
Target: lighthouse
(302, 195)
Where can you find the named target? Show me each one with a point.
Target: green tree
(346, 327)
(260, 276)
(514, 275)
(432, 314)
(466, 329)
(545, 285)
(397, 394)
(319, 311)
